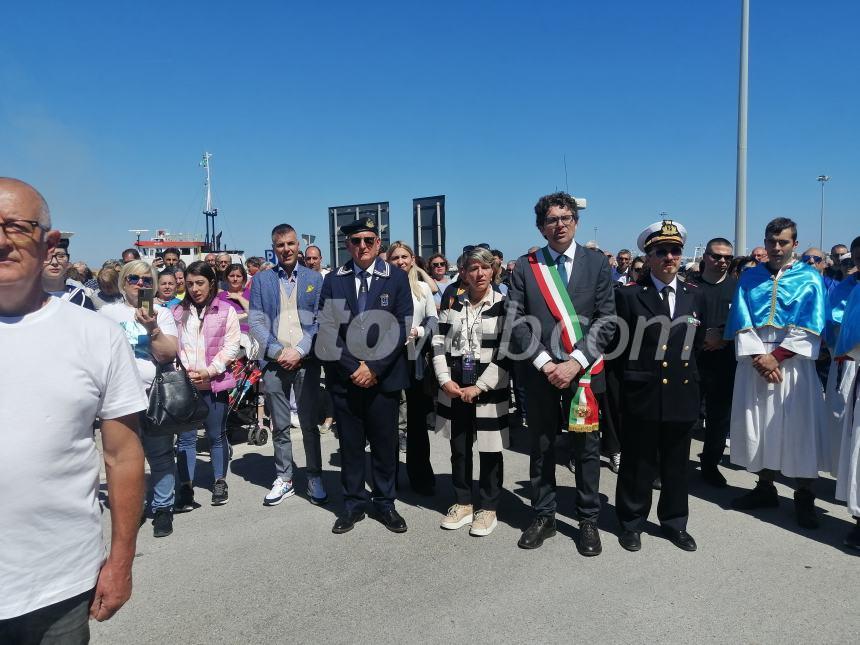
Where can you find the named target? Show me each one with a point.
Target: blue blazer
(377, 336)
(265, 310)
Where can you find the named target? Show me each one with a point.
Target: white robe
(839, 399)
(848, 472)
(779, 426)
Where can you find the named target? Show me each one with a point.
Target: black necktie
(664, 292)
(362, 291)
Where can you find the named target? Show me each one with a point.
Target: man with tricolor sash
(561, 318)
(661, 323)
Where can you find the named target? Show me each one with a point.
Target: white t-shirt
(123, 313)
(62, 367)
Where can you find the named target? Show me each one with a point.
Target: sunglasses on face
(815, 258)
(438, 264)
(662, 252)
(145, 280)
(358, 241)
(728, 257)
(472, 247)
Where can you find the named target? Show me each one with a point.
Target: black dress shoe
(680, 539)
(764, 495)
(345, 522)
(392, 521)
(542, 528)
(630, 540)
(712, 475)
(804, 508)
(589, 539)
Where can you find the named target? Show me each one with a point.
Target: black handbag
(175, 405)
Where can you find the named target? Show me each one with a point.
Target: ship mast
(213, 241)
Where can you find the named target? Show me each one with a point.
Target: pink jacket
(214, 330)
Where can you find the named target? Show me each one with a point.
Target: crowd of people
(626, 355)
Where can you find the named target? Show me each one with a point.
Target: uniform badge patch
(383, 300)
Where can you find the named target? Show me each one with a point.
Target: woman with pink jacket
(208, 342)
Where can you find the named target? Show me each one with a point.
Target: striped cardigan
(491, 409)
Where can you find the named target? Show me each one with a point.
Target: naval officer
(663, 318)
(362, 316)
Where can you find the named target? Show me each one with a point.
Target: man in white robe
(776, 321)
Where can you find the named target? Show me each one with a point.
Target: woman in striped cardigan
(472, 404)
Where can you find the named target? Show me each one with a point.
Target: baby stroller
(243, 422)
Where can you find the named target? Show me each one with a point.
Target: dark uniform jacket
(346, 337)
(657, 366)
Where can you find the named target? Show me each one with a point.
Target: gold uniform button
(665, 381)
(686, 347)
(686, 365)
(665, 364)
(686, 381)
(665, 348)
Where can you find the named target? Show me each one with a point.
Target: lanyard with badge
(469, 360)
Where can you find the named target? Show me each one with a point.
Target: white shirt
(65, 366)
(123, 314)
(543, 358)
(422, 308)
(659, 286)
(192, 343)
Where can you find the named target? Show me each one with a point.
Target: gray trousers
(277, 385)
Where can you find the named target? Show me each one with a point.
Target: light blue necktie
(562, 269)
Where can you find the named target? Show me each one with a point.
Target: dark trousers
(463, 435)
(367, 415)
(63, 623)
(548, 410)
(418, 466)
(650, 447)
(609, 403)
(717, 385)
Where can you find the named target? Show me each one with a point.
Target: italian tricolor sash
(584, 414)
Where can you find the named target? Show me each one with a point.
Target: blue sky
(107, 110)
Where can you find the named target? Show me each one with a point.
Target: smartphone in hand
(145, 301)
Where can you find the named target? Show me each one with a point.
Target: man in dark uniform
(716, 360)
(660, 388)
(361, 339)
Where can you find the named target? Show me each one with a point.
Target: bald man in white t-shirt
(70, 367)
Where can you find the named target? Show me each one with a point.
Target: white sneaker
(280, 491)
(458, 515)
(483, 523)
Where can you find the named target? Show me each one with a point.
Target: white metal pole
(741, 181)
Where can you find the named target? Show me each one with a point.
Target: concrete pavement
(245, 573)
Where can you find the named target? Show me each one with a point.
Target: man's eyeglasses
(145, 280)
(438, 264)
(564, 220)
(472, 247)
(815, 258)
(728, 257)
(662, 252)
(358, 241)
(21, 228)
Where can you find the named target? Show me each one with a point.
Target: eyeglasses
(472, 247)
(662, 252)
(815, 258)
(224, 262)
(145, 280)
(728, 257)
(564, 220)
(21, 228)
(367, 241)
(438, 264)
(59, 257)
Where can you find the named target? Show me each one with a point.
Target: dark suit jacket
(590, 289)
(346, 337)
(657, 365)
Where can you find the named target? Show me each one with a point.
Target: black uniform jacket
(657, 363)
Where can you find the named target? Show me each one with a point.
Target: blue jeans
(162, 469)
(216, 432)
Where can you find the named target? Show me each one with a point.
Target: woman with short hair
(165, 294)
(472, 404)
(208, 343)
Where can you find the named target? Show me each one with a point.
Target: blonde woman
(418, 403)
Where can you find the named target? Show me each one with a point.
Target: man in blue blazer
(282, 319)
(362, 335)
